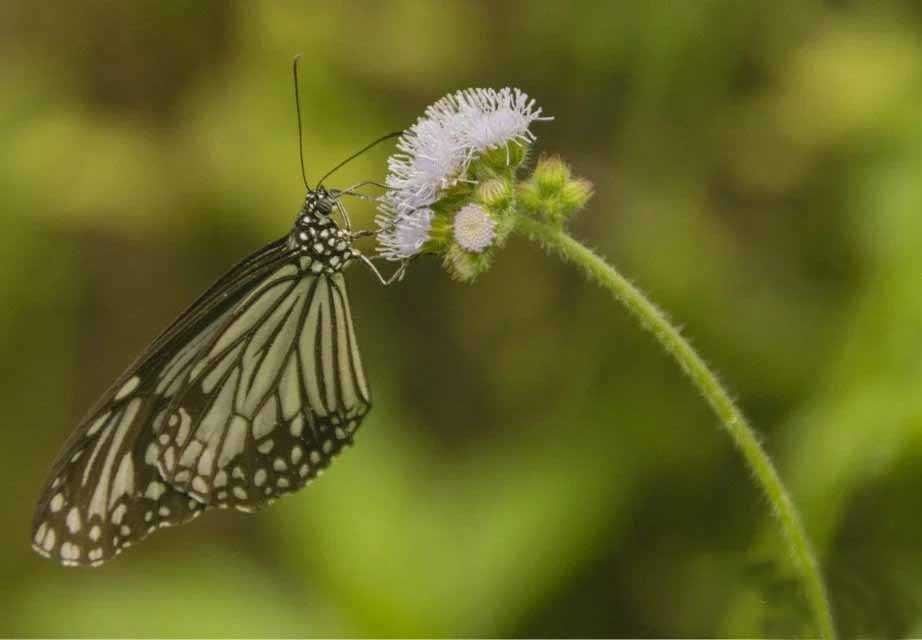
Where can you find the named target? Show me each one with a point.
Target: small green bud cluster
(551, 193)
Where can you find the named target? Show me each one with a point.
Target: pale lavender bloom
(493, 118)
(403, 236)
(430, 159)
(434, 154)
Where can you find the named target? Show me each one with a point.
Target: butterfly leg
(397, 276)
(347, 222)
(353, 190)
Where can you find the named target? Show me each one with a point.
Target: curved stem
(717, 397)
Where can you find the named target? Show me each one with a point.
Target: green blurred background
(534, 465)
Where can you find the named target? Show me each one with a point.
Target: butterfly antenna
(294, 74)
(357, 154)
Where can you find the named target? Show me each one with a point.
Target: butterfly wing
(280, 391)
(105, 491)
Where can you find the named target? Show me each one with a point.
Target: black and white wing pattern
(270, 343)
(278, 393)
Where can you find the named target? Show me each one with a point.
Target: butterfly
(246, 397)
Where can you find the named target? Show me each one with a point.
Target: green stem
(717, 397)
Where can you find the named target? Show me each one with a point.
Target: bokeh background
(534, 465)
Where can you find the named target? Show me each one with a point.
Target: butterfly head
(320, 201)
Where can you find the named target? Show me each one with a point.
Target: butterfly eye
(324, 206)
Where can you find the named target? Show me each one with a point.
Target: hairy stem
(745, 439)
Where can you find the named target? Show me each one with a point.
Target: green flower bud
(464, 266)
(495, 195)
(504, 160)
(551, 193)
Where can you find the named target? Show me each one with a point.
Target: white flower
(403, 236)
(434, 154)
(473, 228)
(430, 160)
(493, 118)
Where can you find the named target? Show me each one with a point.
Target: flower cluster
(452, 174)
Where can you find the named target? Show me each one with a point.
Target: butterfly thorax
(324, 247)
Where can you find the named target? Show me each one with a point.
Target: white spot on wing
(297, 426)
(190, 453)
(151, 454)
(265, 447)
(155, 490)
(206, 461)
(185, 422)
(48, 542)
(97, 424)
(266, 419)
(124, 480)
(98, 501)
(234, 441)
(198, 484)
(129, 386)
(70, 551)
(119, 513)
(73, 520)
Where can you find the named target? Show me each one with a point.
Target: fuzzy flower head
(403, 236)
(432, 202)
(492, 119)
(429, 159)
(474, 229)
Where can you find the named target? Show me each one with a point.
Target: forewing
(279, 393)
(105, 491)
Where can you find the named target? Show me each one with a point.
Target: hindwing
(278, 392)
